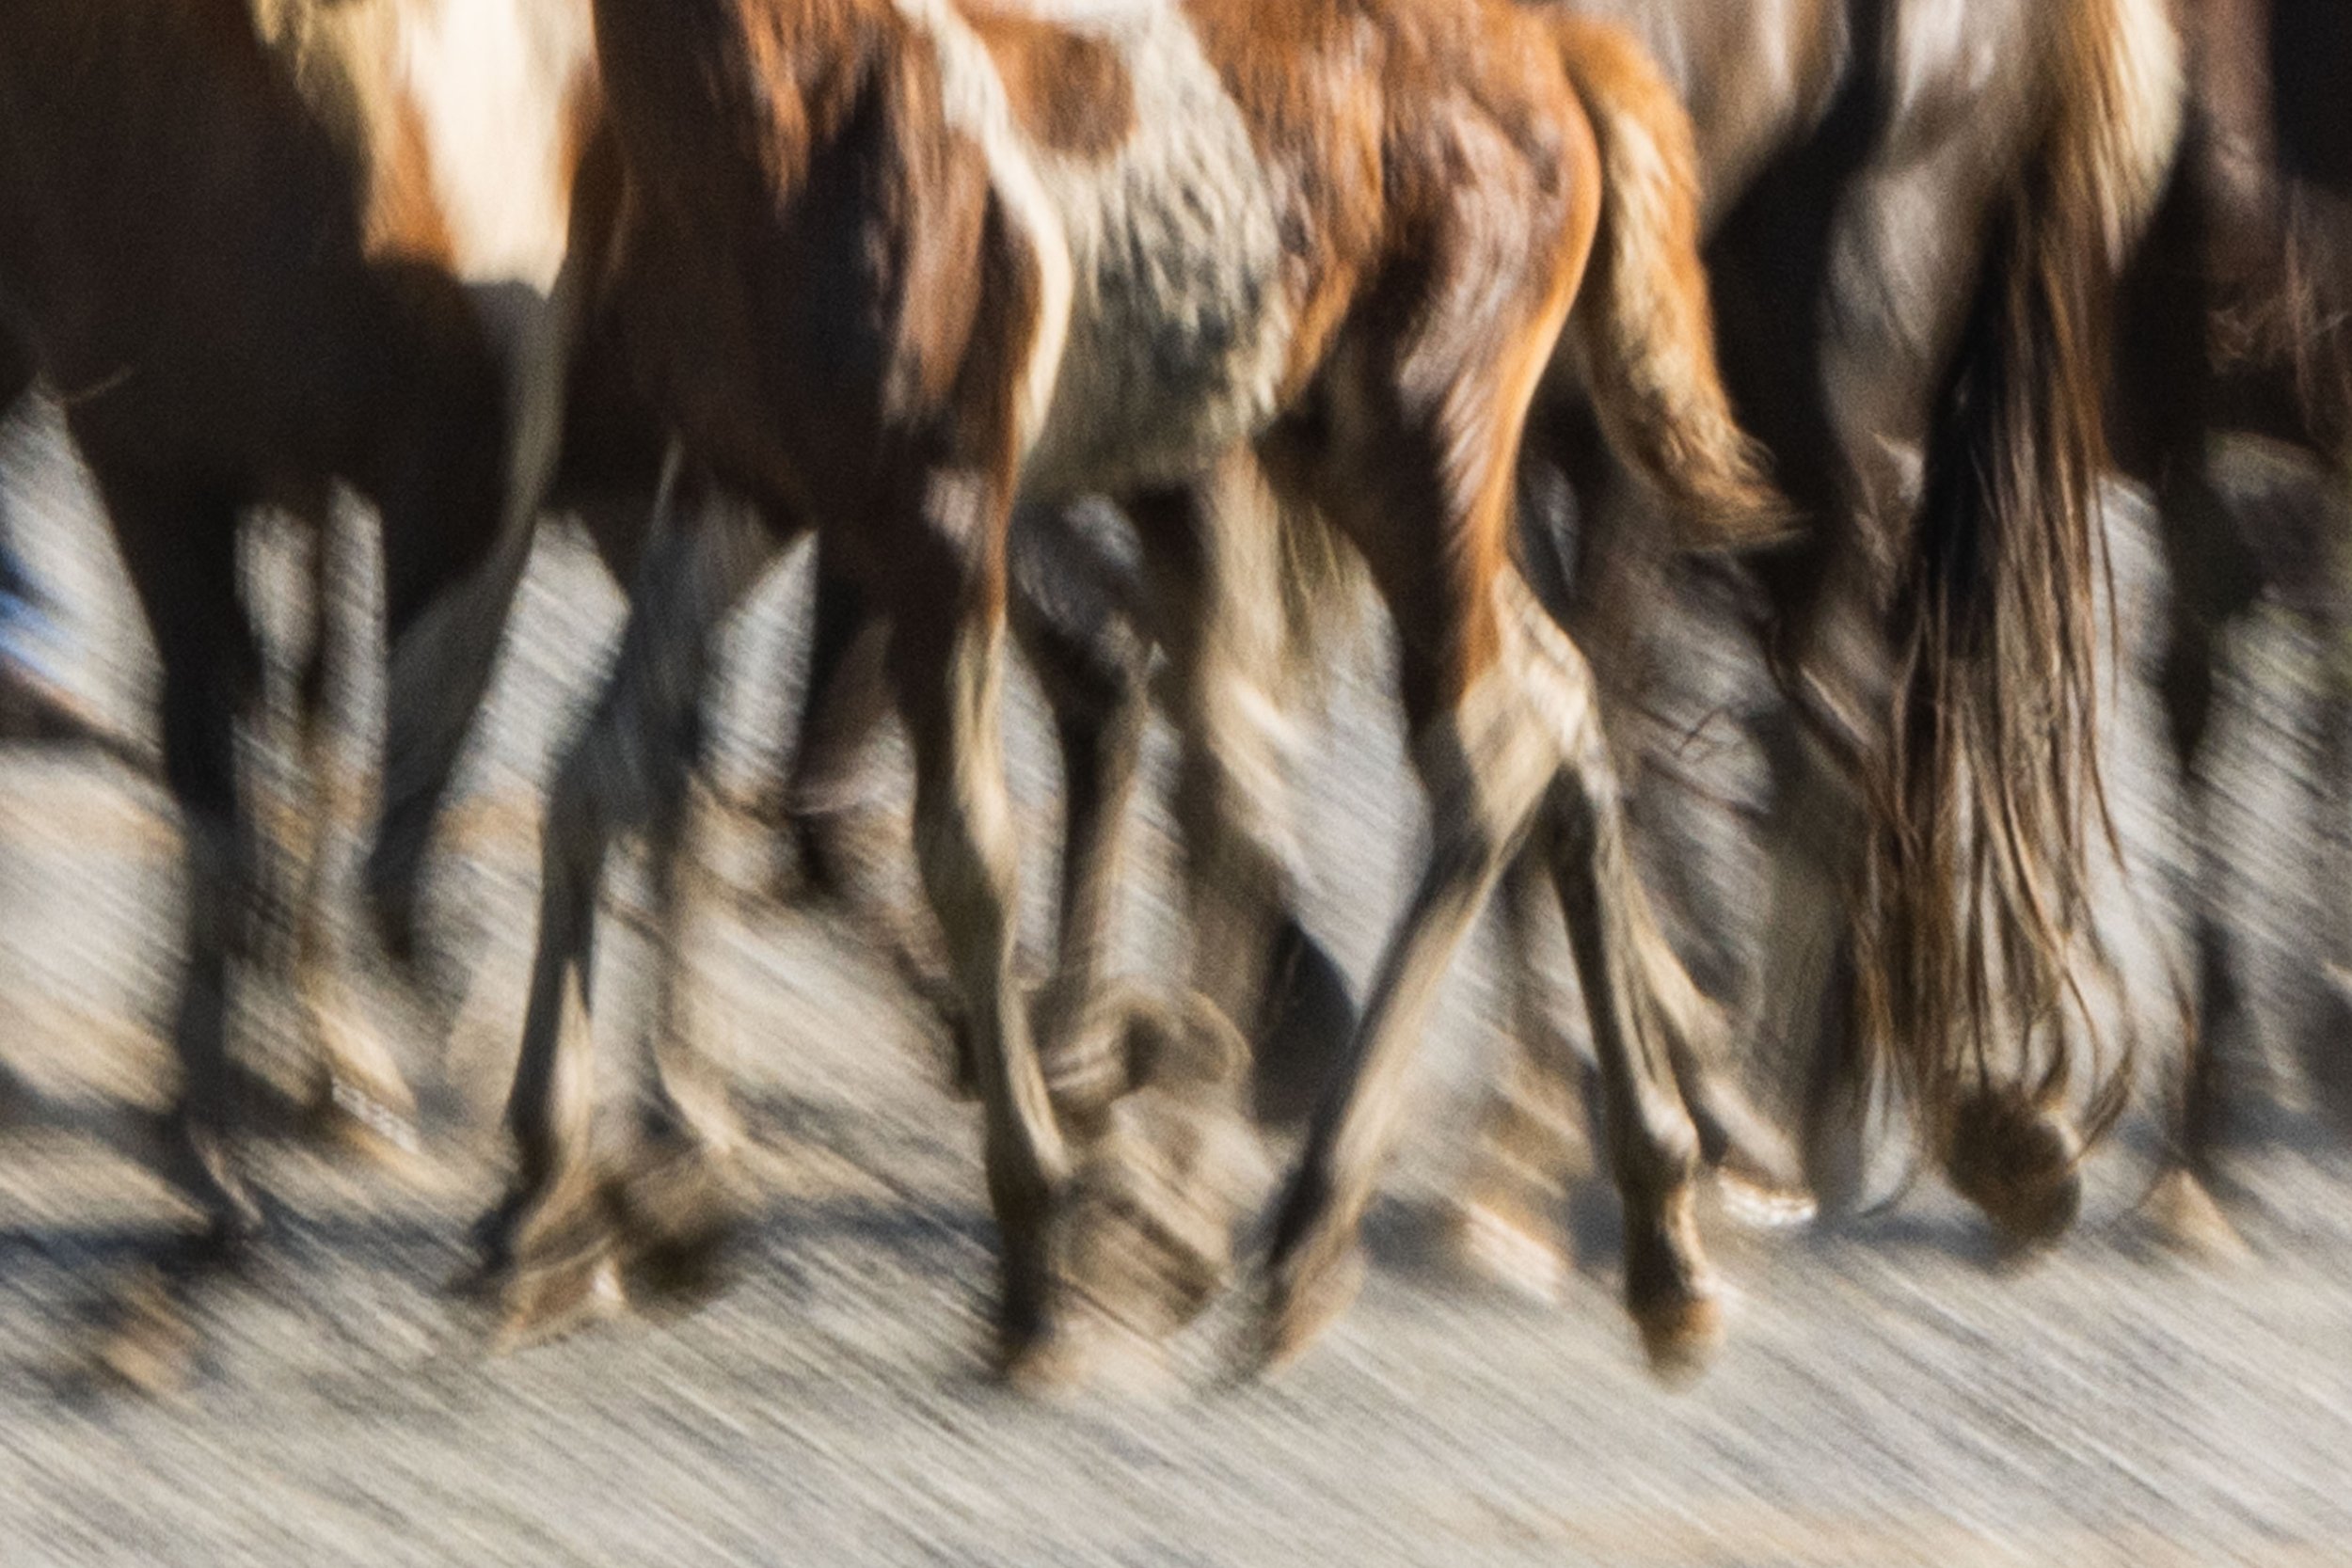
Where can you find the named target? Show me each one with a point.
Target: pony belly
(1180, 326)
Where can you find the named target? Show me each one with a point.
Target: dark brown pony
(2237, 349)
(1363, 235)
(259, 250)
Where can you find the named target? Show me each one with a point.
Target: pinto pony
(889, 267)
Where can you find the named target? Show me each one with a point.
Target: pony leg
(679, 1197)
(1639, 1000)
(358, 1097)
(1072, 611)
(1532, 1148)
(1487, 762)
(1212, 563)
(2214, 585)
(628, 767)
(460, 485)
(2327, 1059)
(179, 549)
(844, 706)
(1168, 1158)
(946, 665)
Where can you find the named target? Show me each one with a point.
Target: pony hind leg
(1424, 488)
(1211, 566)
(1639, 1002)
(546, 1243)
(1158, 1197)
(1073, 611)
(1532, 1146)
(946, 667)
(845, 705)
(357, 1100)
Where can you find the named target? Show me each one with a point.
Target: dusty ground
(1886, 1396)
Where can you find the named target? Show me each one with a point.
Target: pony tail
(1644, 327)
(1990, 784)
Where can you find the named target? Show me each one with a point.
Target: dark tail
(1991, 788)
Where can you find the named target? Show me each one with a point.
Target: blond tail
(1644, 327)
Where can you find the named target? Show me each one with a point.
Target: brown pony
(1083, 613)
(891, 266)
(2234, 360)
(260, 248)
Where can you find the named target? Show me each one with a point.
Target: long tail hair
(1990, 787)
(1643, 327)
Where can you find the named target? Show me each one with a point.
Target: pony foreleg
(547, 1242)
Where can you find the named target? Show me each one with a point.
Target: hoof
(679, 1214)
(1499, 1242)
(1756, 1171)
(547, 1266)
(1144, 1236)
(1304, 1297)
(2018, 1163)
(541, 1302)
(2188, 1221)
(1044, 1366)
(1680, 1334)
(1670, 1293)
(1758, 1208)
(147, 1340)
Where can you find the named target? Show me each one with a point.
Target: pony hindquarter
(1936, 794)
(987, 184)
(257, 253)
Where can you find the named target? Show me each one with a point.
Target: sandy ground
(1887, 1395)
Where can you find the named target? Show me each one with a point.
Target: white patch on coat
(493, 83)
(1178, 332)
(972, 98)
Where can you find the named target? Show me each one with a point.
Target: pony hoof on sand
(1671, 1293)
(547, 1266)
(1506, 1244)
(1680, 1331)
(1144, 1239)
(679, 1212)
(146, 1342)
(544, 1302)
(2019, 1163)
(1305, 1295)
(2189, 1222)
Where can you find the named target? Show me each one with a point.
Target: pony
(260, 249)
(2234, 358)
(889, 268)
(1916, 214)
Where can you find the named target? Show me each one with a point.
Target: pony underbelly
(1179, 326)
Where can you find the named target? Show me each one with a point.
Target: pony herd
(1863, 300)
